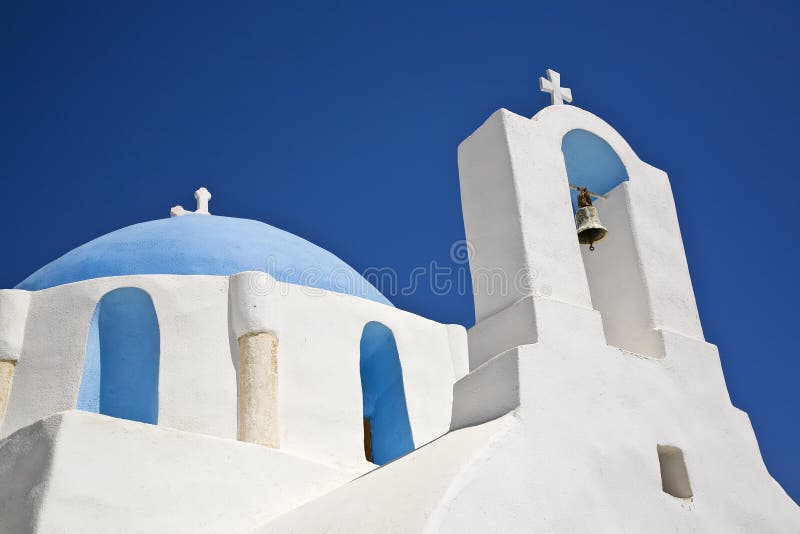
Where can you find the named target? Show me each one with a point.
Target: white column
(250, 298)
(6, 380)
(518, 216)
(14, 304)
(258, 389)
(527, 273)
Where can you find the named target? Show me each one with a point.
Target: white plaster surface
(80, 472)
(197, 380)
(13, 315)
(252, 303)
(459, 350)
(551, 422)
(576, 453)
(518, 214)
(399, 497)
(616, 281)
(319, 332)
(518, 217)
(506, 329)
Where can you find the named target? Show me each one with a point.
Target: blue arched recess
(120, 372)
(385, 412)
(591, 162)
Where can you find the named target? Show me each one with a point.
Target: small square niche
(674, 477)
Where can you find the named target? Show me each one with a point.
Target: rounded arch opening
(387, 430)
(616, 283)
(591, 162)
(121, 366)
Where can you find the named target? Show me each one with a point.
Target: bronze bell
(587, 222)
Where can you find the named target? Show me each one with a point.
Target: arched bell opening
(592, 163)
(387, 430)
(121, 366)
(613, 272)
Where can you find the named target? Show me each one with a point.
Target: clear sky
(339, 122)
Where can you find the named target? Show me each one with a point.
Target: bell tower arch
(515, 178)
(614, 274)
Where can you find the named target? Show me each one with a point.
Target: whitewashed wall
(319, 332)
(519, 219)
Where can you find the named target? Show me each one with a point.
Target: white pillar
(258, 389)
(14, 304)
(528, 273)
(250, 297)
(518, 216)
(6, 379)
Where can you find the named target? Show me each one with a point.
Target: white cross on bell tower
(552, 85)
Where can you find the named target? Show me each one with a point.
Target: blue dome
(204, 244)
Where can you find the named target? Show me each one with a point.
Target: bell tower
(518, 181)
(592, 363)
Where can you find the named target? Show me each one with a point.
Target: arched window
(120, 370)
(387, 431)
(591, 162)
(616, 283)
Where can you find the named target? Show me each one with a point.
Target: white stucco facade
(318, 332)
(584, 399)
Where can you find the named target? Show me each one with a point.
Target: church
(205, 374)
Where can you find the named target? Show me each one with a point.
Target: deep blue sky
(340, 123)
